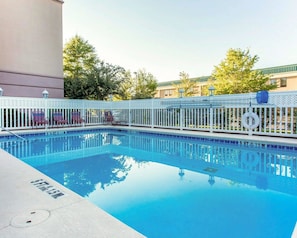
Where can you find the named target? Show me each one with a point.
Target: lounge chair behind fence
(76, 118)
(59, 119)
(110, 118)
(39, 119)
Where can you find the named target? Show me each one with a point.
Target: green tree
(79, 60)
(87, 77)
(126, 87)
(140, 85)
(145, 85)
(235, 74)
(104, 81)
(186, 84)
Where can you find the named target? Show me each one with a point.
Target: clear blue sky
(166, 37)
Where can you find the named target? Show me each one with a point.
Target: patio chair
(59, 119)
(109, 118)
(39, 119)
(76, 118)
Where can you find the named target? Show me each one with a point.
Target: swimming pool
(171, 185)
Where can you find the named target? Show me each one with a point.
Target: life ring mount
(250, 120)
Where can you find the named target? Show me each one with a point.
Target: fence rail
(241, 113)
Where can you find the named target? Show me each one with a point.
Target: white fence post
(152, 114)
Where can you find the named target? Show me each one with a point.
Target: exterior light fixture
(211, 90)
(45, 93)
(1, 92)
(181, 91)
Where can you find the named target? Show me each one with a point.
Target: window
(283, 82)
(168, 92)
(273, 81)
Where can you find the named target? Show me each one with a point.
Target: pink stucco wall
(28, 85)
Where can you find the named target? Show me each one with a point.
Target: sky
(166, 37)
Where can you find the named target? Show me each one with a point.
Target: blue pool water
(172, 186)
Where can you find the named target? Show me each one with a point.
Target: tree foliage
(235, 74)
(145, 85)
(140, 86)
(104, 81)
(186, 84)
(126, 88)
(85, 76)
(79, 58)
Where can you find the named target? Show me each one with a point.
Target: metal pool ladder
(12, 133)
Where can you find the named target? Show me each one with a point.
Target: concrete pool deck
(33, 205)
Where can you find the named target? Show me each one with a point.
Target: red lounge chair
(108, 117)
(58, 118)
(39, 119)
(76, 118)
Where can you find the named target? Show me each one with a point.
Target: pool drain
(30, 218)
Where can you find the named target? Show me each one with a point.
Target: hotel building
(285, 77)
(31, 48)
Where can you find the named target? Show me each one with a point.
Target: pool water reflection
(166, 186)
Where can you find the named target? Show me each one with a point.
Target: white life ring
(250, 120)
(250, 158)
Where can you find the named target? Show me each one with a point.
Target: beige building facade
(31, 48)
(285, 77)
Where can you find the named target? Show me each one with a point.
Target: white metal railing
(239, 113)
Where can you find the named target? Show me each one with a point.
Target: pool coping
(34, 205)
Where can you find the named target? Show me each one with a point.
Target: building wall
(285, 81)
(285, 77)
(31, 48)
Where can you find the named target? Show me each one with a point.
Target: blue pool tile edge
(232, 139)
